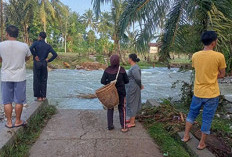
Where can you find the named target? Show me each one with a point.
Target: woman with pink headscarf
(108, 76)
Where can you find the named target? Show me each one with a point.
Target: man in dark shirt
(40, 51)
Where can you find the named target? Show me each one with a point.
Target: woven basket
(108, 95)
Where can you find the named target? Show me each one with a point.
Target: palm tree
(45, 8)
(20, 13)
(117, 8)
(89, 19)
(169, 16)
(62, 13)
(105, 25)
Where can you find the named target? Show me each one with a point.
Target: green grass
(218, 124)
(167, 143)
(27, 137)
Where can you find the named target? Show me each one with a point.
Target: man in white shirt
(14, 55)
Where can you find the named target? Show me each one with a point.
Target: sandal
(9, 126)
(130, 125)
(23, 124)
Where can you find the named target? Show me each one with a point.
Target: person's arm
(125, 78)
(222, 73)
(54, 54)
(28, 54)
(104, 79)
(32, 49)
(137, 77)
(222, 67)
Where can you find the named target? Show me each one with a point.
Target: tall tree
(169, 17)
(89, 19)
(62, 15)
(117, 8)
(20, 13)
(45, 9)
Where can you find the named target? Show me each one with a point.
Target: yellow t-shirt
(207, 65)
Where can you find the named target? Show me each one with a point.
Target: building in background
(154, 48)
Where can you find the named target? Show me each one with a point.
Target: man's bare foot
(9, 125)
(39, 99)
(44, 99)
(186, 138)
(201, 146)
(125, 130)
(20, 123)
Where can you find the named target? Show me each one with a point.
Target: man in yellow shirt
(209, 66)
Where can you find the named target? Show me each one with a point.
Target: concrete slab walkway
(83, 133)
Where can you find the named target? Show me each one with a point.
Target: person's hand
(142, 87)
(37, 58)
(47, 60)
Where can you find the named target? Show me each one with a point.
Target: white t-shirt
(13, 54)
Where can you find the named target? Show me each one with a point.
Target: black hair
(43, 35)
(134, 57)
(208, 37)
(13, 31)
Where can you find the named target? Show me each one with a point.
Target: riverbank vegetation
(170, 119)
(128, 26)
(26, 138)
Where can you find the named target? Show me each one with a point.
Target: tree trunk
(26, 34)
(2, 20)
(65, 43)
(118, 50)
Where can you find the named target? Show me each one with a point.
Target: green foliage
(166, 142)
(26, 138)
(186, 90)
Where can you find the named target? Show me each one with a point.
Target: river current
(65, 85)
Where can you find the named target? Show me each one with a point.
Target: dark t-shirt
(42, 49)
(120, 85)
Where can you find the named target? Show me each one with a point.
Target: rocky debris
(78, 67)
(151, 103)
(181, 66)
(225, 80)
(91, 66)
(67, 65)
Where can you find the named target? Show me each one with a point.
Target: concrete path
(76, 133)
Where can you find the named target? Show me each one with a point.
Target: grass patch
(218, 124)
(167, 143)
(26, 138)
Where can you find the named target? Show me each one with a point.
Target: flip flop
(23, 124)
(9, 127)
(127, 121)
(130, 126)
(198, 148)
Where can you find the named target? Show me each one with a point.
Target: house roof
(154, 44)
